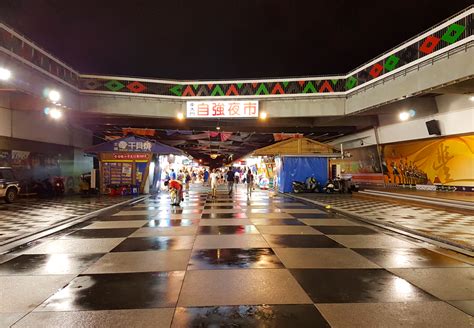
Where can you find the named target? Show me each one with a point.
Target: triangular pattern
(262, 89)
(232, 91)
(247, 90)
(309, 87)
(203, 91)
(326, 87)
(217, 90)
(277, 89)
(177, 90)
(188, 92)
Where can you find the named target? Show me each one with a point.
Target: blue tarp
(299, 168)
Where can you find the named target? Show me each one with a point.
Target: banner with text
(221, 109)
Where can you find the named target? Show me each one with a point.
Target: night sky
(221, 39)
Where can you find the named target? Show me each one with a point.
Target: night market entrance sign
(222, 109)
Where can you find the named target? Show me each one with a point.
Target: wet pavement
(27, 216)
(267, 261)
(442, 225)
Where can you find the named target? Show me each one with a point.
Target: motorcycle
(310, 185)
(333, 186)
(339, 185)
(43, 188)
(58, 186)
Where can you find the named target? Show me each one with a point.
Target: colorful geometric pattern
(414, 50)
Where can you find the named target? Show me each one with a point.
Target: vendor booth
(295, 160)
(129, 164)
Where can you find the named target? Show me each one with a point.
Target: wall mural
(447, 160)
(439, 38)
(363, 165)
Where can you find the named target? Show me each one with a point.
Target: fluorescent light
(55, 113)
(5, 74)
(54, 95)
(403, 116)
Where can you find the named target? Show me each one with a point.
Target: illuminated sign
(130, 156)
(222, 109)
(139, 146)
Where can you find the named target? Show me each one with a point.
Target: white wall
(455, 116)
(36, 126)
(5, 122)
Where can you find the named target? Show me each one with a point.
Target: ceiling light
(54, 95)
(403, 116)
(218, 128)
(180, 116)
(5, 74)
(55, 113)
(471, 98)
(263, 115)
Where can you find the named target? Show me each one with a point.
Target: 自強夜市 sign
(222, 109)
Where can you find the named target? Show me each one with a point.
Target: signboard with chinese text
(222, 109)
(139, 146)
(125, 156)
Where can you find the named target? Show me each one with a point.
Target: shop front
(130, 165)
(291, 160)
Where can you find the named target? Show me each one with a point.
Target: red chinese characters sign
(224, 109)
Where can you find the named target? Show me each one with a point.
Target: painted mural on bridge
(445, 160)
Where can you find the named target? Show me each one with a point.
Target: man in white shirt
(213, 177)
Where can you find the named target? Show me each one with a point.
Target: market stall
(129, 164)
(295, 160)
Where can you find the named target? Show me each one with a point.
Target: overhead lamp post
(5, 74)
(54, 95)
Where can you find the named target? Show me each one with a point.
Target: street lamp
(403, 116)
(55, 113)
(54, 95)
(5, 74)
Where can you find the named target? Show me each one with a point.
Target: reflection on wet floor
(304, 316)
(234, 258)
(267, 261)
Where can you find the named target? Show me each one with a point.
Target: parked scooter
(58, 186)
(341, 186)
(310, 185)
(333, 186)
(43, 188)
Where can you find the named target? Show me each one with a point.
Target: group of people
(231, 177)
(177, 183)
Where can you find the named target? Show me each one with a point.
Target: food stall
(295, 160)
(129, 164)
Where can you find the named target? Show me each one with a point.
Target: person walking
(213, 178)
(249, 179)
(205, 177)
(230, 181)
(173, 175)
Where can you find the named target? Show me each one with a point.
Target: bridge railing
(440, 40)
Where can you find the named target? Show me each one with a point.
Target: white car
(9, 185)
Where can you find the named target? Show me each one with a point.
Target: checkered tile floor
(263, 261)
(27, 216)
(443, 225)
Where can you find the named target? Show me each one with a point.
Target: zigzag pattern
(437, 40)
